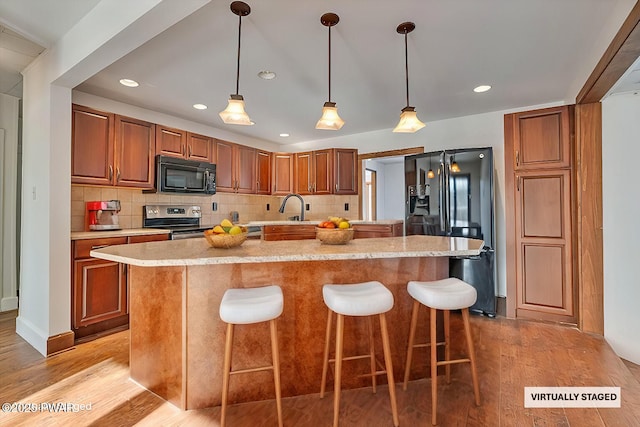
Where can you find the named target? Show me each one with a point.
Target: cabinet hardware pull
(189, 152)
(336, 187)
(98, 247)
(182, 149)
(517, 158)
(518, 183)
(118, 174)
(110, 172)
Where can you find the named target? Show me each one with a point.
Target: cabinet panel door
(135, 152)
(346, 165)
(170, 142)
(100, 291)
(263, 160)
(282, 173)
(323, 172)
(224, 166)
(199, 147)
(91, 146)
(246, 170)
(303, 173)
(544, 242)
(543, 138)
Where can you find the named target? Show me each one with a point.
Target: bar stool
(360, 299)
(243, 307)
(446, 295)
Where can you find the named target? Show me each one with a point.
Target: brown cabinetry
(282, 173)
(289, 232)
(314, 172)
(363, 231)
(109, 149)
(99, 297)
(263, 172)
(235, 168)
(542, 139)
(345, 167)
(539, 190)
(183, 144)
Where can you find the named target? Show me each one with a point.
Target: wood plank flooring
(511, 354)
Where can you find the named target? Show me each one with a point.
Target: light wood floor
(511, 355)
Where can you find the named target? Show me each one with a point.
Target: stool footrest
(427, 344)
(248, 370)
(364, 356)
(452, 362)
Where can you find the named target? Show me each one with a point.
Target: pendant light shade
(330, 119)
(454, 165)
(234, 114)
(430, 173)
(409, 122)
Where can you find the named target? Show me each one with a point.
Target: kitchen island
(177, 337)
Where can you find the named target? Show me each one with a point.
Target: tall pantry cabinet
(539, 199)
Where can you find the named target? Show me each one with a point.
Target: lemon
(218, 229)
(343, 224)
(226, 223)
(235, 230)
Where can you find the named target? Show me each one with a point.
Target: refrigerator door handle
(443, 221)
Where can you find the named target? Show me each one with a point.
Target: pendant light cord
(406, 66)
(238, 63)
(329, 63)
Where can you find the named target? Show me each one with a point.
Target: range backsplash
(249, 207)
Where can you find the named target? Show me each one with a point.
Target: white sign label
(572, 397)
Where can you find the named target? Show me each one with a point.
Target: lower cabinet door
(100, 291)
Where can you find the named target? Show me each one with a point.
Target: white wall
(621, 223)
(108, 32)
(394, 195)
(9, 110)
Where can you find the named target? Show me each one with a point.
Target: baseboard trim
(60, 342)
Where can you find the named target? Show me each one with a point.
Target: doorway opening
(369, 211)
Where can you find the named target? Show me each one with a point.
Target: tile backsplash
(250, 207)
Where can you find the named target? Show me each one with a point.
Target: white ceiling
(531, 52)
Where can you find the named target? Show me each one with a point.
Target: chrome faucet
(284, 202)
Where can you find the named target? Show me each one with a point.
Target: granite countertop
(318, 221)
(198, 251)
(81, 235)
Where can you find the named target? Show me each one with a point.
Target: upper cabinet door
(199, 147)
(135, 152)
(323, 171)
(346, 165)
(303, 173)
(91, 146)
(263, 163)
(282, 173)
(225, 180)
(170, 142)
(245, 172)
(542, 138)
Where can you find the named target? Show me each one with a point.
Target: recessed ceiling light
(199, 106)
(482, 88)
(129, 83)
(284, 135)
(481, 155)
(267, 75)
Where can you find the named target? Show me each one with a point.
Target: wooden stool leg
(472, 355)
(338, 375)
(434, 365)
(412, 334)
(389, 368)
(372, 357)
(325, 362)
(226, 374)
(447, 344)
(275, 352)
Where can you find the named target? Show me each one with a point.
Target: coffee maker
(102, 215)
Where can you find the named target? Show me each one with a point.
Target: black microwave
(174, 175)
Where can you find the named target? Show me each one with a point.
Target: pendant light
(330, 119)
(430, 173)
(409, 122)
(234, 114)
(454, 165)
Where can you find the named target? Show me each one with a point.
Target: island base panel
(177, 337)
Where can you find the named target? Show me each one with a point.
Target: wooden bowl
(225, 241)
(334, 236)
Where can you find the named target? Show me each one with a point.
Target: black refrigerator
(450, 193)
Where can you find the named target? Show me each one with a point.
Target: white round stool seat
(445, 294)
(251, 305)
(360, 299)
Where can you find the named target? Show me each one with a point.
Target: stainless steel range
(182, 220)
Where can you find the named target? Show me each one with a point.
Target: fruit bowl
(334, 236)
(225, 241)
